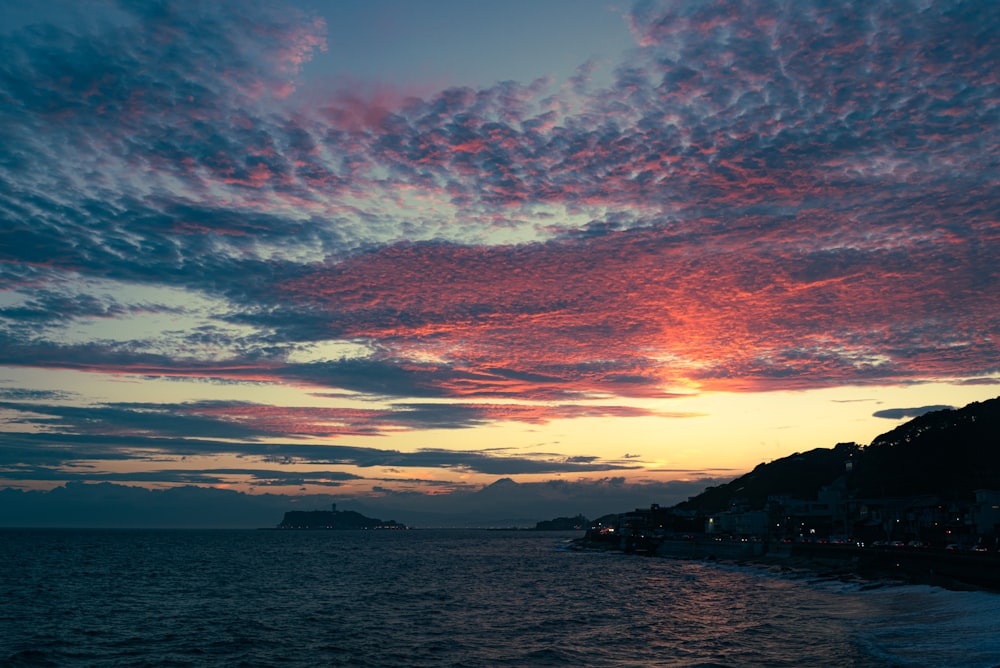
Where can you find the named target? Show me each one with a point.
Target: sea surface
(449, 598)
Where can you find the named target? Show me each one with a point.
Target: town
(921, 500)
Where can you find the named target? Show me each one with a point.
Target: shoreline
(864, 576)
(869, 567)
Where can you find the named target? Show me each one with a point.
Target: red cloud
(755, 306)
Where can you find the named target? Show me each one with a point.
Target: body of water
(448, 598)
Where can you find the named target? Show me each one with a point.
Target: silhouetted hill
(948, 452)
(798, 475)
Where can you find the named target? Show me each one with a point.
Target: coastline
(870, 567)
(931, 566)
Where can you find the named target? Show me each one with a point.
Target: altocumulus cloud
(761, 196)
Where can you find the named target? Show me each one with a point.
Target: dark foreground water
(448, 598)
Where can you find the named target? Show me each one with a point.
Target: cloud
(49, 452)
(742, 308)
(737, 249)
(762, 196)
(19, 394)
(78, 504)
(744, 110)
(255, 421)
(83, 504)
(980, 381)
(506, 502)
(258, 478)
(900, 413)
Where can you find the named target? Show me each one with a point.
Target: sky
(476, 262)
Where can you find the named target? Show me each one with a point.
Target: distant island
(336, 520)
(350, 520)
(563, 524)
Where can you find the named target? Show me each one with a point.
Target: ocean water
(449, 598)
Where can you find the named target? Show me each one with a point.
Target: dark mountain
(952, 452)
(798, 475)
(947, 452)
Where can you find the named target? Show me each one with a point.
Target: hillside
(951, 452)
(948, 452)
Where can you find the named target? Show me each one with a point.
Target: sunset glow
(376, 249)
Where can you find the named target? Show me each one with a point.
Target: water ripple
(444, 598)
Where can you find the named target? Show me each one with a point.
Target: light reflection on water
(433, 598)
